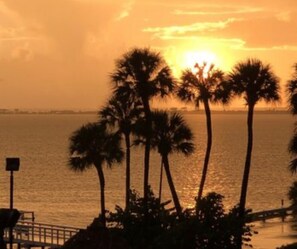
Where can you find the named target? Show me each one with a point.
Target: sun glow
(186, 56)
(199, 57)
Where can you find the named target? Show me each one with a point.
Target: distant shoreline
(72, 112)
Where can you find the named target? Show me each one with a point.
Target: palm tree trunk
(247, 166)
(171, 186)
(245, 179)
(148, 117)
(161, 181)
(208, 149)
(127, 140)
(102, 193)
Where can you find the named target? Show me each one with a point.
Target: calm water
(45, 185)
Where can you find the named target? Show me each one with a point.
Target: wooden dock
(270, 214)
(27, 234)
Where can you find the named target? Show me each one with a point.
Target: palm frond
(291, 91)
(121, 112)
(143, 73)
(171, 134)
(292, 148)
(79, 164)
(255, 81)
(91, 145)
(293, 166)
(201, 86)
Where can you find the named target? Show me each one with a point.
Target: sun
(191, 58)
(185, 57)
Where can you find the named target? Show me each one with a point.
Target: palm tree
(254, 81)
(292, 91)
(122, 112)
(204, 87)
(292, 94)
(171, 134)
(92, 145)
(144, 74)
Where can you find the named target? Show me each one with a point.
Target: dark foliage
(132, 223)
(291, 90)
(292, 195)
(206, 227)
(96, 237)
(292, 246)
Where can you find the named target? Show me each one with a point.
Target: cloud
(284, 16)
(65, 24)
(175, 31)
(219, 10)
(46, 53)
(126, 10)
(270, 49)
(263, 31)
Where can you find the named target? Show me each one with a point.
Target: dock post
(282, 202)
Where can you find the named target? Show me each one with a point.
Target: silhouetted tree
(92, 145)
(292, 91)
(171, 135)
(122, 113)
(203, 87)
(144, 74)
(292, 195)
(292, 100)
(254, 81)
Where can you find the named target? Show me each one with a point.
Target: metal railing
(269, 214)
(39, 234)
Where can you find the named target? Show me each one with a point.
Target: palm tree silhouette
(204, 87)
(254, 81)
(92, 145)
(122, 113)
(144, 74)
(171, 134)
(292, 100)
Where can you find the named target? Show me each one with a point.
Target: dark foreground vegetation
(291, 246)
(207, 226)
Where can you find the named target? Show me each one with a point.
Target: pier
(28, 234)
(270, 214)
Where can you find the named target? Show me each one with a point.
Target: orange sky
(59, 53)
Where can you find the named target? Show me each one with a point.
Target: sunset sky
(58, 54)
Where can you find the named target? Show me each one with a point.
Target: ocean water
(57, 195)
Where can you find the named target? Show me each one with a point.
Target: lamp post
(12, 164)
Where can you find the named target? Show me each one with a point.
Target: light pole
(12, 164)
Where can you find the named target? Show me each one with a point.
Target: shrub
(207, 226)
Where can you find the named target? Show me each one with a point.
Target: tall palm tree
(92, 145)
(254, 81)
(292, 94)
(144, 74)
(171, 134)
(122, 113)
(203, 86)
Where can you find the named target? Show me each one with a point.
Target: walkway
(270, 214)
(32, 234)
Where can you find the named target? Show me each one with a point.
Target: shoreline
(61, 112)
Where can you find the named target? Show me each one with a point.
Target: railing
(39, 234)
(269, 214)
(27, 215)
